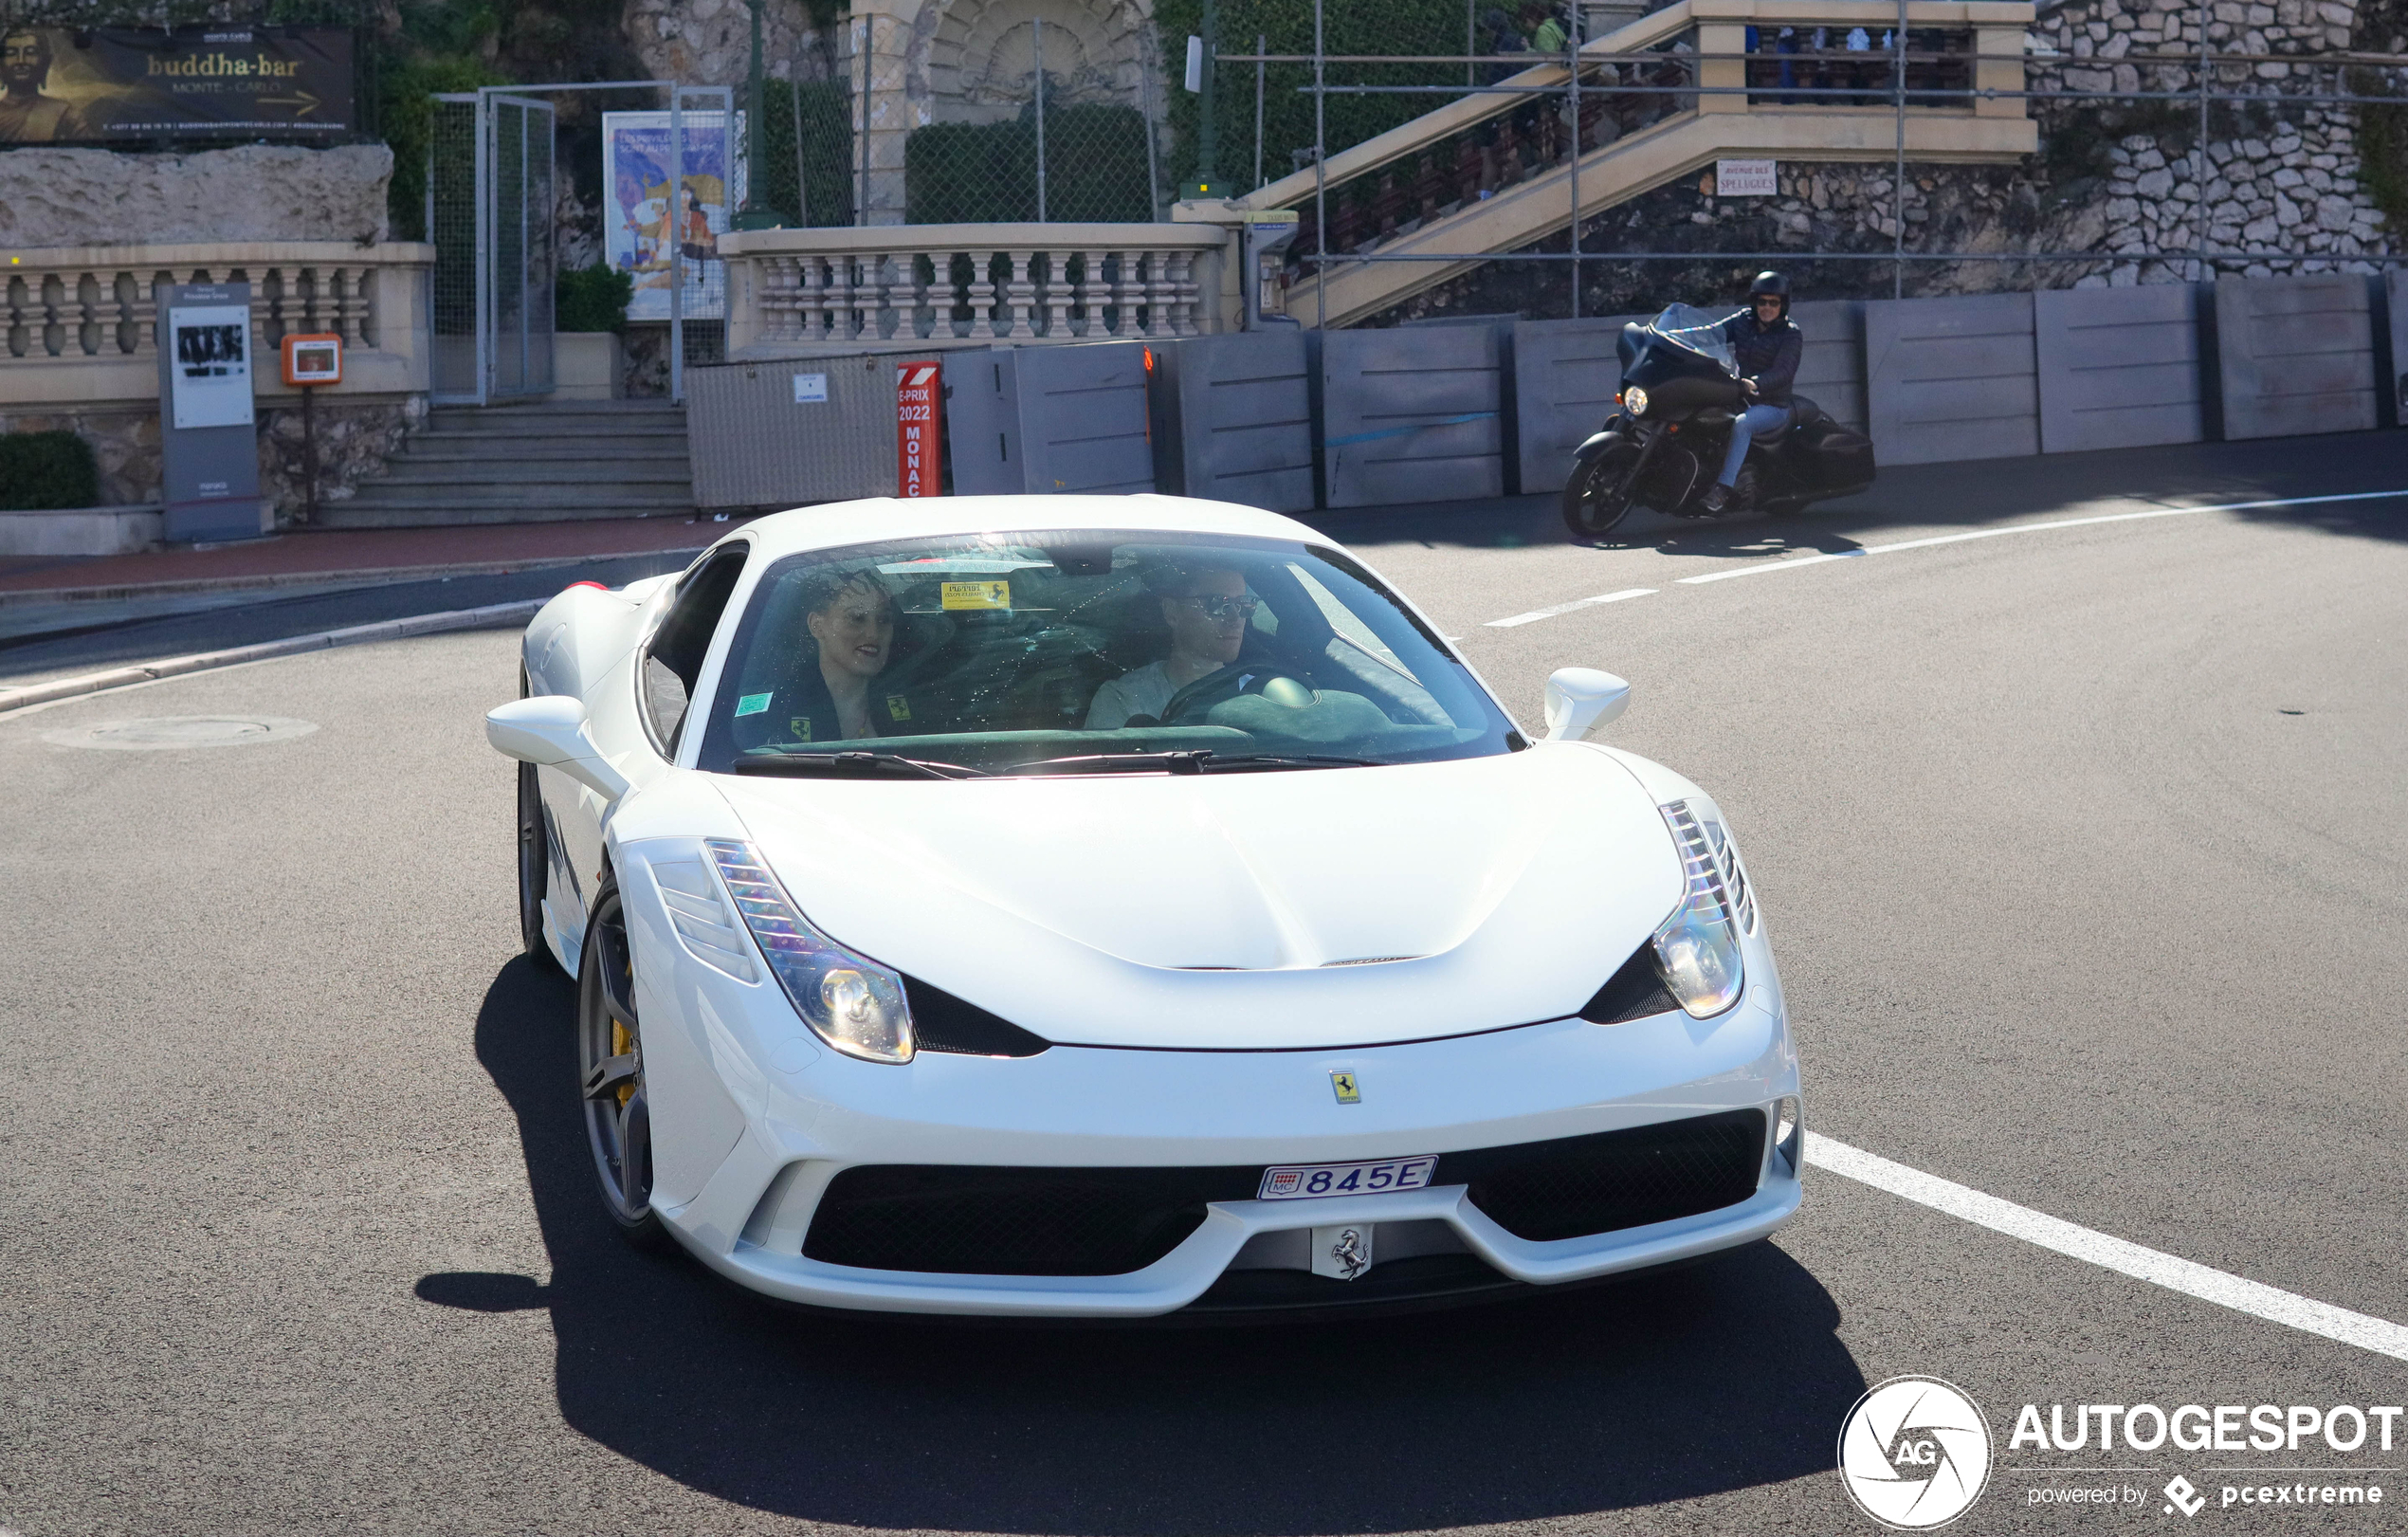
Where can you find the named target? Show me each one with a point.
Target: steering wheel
(1239, 677)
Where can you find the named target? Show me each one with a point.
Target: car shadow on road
(1722, 1376)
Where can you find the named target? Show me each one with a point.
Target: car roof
(876, 520)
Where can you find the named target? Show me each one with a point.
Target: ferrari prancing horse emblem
(1345, 1084)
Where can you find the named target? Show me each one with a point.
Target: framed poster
(639, 228)
(210, 376)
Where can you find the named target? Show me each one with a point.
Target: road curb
(366, 576)
(421, 624)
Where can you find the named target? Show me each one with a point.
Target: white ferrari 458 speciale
(1113, 905)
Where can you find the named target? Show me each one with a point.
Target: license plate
(1309, 1181)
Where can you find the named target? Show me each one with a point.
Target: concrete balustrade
(912, 287)
(79, 325)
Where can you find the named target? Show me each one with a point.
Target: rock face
(254, 193)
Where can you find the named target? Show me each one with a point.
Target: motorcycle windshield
(1699, 331)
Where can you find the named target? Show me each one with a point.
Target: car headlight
(849, 1001)
(1697, 947)
(1634, 400)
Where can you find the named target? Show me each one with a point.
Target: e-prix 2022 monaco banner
(112, 84)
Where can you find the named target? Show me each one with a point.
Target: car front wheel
(618, 1112)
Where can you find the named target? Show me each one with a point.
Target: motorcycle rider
(1767, 345)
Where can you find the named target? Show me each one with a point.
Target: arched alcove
(982, 59)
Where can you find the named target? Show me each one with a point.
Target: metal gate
(490, 210)
(519, 209)
(490, 205)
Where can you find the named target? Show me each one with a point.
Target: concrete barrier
(2396, 304)
(2119, 368)
(1832, 374)
(1234, 417)
(1417, 414)
(1022, 420)
(1565, 374)
(2297, 355)
(1951, 378)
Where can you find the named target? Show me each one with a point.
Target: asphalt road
(2083, 849)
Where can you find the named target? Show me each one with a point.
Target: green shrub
(592, 298)
(1095, 169)
(41, 470)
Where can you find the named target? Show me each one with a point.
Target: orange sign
(313, 359)
(918, 422)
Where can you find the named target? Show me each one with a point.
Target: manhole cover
(166, 733)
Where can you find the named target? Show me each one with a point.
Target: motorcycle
(1663, 448)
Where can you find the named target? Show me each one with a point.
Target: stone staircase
(1491, 173)
(528, 465)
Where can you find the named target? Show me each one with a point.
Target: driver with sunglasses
(1207, 610)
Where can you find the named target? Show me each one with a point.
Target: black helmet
(1775, 284)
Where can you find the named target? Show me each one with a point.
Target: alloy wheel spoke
(610, 1075)
(635, 1152)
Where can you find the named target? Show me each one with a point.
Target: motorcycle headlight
(849, 1001)
(1634, 400)
(1697, 949)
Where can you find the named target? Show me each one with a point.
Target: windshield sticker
(798, 727)
(898, 707)
(994, 594)
(752, 704)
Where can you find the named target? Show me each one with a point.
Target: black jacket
(1768, 356)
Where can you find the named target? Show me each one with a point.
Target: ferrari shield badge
(1344, 1083)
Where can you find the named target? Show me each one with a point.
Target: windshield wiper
(809, 765)
(1191, 760)
(1242, 762)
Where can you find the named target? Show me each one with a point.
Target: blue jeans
(1757, 422)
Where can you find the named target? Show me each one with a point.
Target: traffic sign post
(311, 363)
(919, 428)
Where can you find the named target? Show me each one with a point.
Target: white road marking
(2034, 528)
(1536, 615)
(2186, 1276)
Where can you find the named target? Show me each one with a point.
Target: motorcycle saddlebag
(1832, 456)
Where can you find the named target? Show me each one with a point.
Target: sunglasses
(1224, 608)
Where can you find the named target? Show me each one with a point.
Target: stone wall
(353, 440)
(254, 193)
(710, 42)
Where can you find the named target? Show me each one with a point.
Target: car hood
(1238, 911)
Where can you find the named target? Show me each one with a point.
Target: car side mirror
(1582, 699)
(550, 730)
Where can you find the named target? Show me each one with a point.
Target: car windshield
(1085, 652)
(1699, 331)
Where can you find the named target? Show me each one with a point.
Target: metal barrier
(1050, 419)
(1416, 414)
(1234, 417)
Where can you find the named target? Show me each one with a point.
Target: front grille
(1612, 1179)
(965, 1219)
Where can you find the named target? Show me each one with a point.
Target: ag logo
(2185, 1495)
(1914, 1452)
